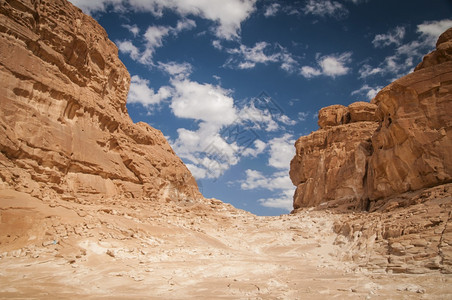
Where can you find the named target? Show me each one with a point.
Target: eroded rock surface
(64, 125)
(367, 152)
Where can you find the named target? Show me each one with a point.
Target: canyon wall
(64, 126)
(366, 152)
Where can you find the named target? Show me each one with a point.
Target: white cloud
(204, 102)
(278, 182)
(245, 57)
(228, 15)
(358, 1)
(257, 180)
(302, 116)
(367, 90)
(272, 9)
(259, 147)
(178, 71)
(288, 63)
(127, 47)
(91, 6)
(206, 149)
(226, 133)
(197, 172)
(184, 24)
(335, 65)
(153, 37)
(134, 29)
(217, 44)
(140, 92)
(402, 61)
(259, 118)
(284, 200)
(286, 120)
(367, 70)
(329, 65)
(310, 72)
(325, 8)
(282, 151)
(432, 30)
(394, 36)
(251, 56)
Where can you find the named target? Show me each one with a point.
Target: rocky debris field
(66, 248)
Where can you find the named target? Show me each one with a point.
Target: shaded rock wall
(366, 152)
(63, 118)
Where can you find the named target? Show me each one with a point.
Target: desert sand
(65, 249)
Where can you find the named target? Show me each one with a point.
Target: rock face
(413, 146)
(411, 233)
(63, 117)
(367, 152)
(330, 164)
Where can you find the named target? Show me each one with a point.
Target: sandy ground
(113, 249)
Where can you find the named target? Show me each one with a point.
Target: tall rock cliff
(64, 126)
(366, 152)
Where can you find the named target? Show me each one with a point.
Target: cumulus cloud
(310, 72)
(213, 107)
(127, 47)
(394, 36)
(259, 118)
(226, 132)
(302, 116)
(226, 15)
(367, 90)
(329, 65)
(430, 31)
(272, 9)
(325, 8)
(279, 183)
(250, 56)
(204, 102)
(259, 147)
(176, 70)
(153, 38)
(90, 6)
(245, 57)
(282, 151)
(141, 93)
(402, 60)
(134, 29)
(283, 200)
(335, 65)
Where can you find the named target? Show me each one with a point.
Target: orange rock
(63, 117)
(400, 142)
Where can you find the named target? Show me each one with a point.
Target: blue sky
(233, 83)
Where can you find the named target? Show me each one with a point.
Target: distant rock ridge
(64, 126)
(366, 152)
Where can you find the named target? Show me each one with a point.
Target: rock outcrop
(330, 164)
(367, 152)
(64, 126)
(411, 233)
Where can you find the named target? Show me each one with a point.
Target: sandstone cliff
(367, 152)
(63, 117)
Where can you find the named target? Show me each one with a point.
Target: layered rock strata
(411, 233)
(367, 152)
(63, 117)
